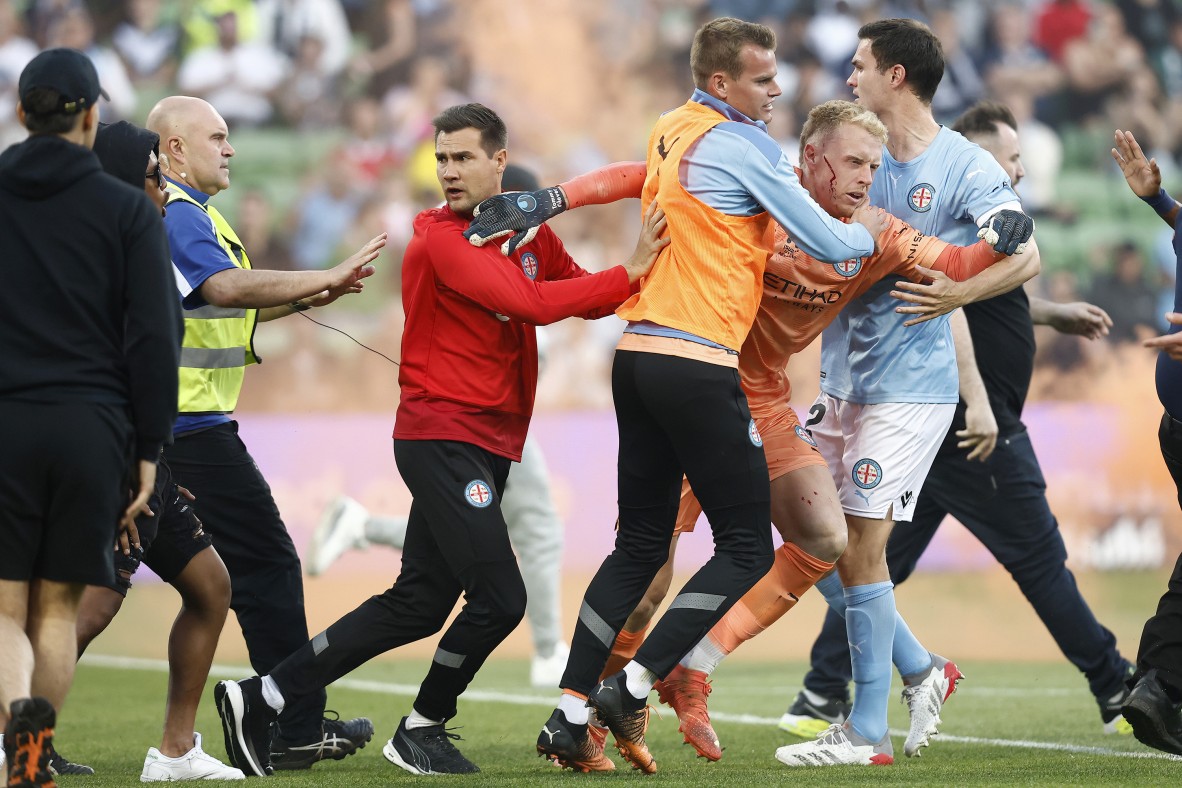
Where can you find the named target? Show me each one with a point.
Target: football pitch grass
(1008, 724)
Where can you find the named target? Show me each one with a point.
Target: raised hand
(1142, 174)
(347, 275)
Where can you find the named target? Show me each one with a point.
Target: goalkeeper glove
(1007, 232)
(516, 214)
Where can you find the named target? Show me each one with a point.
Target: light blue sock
(830, 588)
(908, 655)
(870, 627)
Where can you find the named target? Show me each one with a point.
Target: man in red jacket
(468, 375)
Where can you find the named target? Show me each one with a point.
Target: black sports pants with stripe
(456, 542)
(676, 416)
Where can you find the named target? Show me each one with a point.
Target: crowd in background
(579, 85)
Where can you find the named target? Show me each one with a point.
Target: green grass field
(1009, 724)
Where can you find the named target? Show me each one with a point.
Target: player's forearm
(1164, 206)
(972, 387)
(964, 262)
(1003, 276)
(1042, 311)
(257, 289)
(614, 182)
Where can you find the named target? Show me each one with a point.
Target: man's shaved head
(196, 140)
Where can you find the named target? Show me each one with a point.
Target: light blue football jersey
(867, 354)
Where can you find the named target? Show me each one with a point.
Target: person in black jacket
(90, 344)
(172, 542)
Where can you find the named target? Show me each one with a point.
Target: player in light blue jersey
(889, 388)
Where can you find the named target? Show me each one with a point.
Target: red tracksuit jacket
(469, 353)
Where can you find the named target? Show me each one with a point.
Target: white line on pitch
(490, 696)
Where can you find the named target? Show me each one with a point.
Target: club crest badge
(867, 473)
(478, 493)
(753, 434)
(921, 198)
(529, 265)
(804, 435)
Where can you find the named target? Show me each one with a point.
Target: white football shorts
(879, 454)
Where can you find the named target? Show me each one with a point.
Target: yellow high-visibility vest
(218, 341)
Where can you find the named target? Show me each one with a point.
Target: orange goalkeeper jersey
(801, 296)
(706, 282)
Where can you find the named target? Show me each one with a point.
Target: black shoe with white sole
(246, 723)
(427, 750)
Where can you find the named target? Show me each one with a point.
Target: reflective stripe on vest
(217, 344)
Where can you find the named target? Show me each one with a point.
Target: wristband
(1161, 202)
(299, 306)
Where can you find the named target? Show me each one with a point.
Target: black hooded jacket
(88, 305)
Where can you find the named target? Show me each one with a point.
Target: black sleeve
(153, 328)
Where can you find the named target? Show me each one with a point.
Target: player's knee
(498, 604)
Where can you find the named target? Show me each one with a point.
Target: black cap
(68, 72)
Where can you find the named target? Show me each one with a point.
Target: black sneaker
(427, 750)
(1156, 719)
(59, 765)
(808, 720)
(626, 716)
(246, 724)
(572, 746)
(338, 739)
(28, 740)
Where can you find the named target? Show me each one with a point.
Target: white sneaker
(341, 528)
(838, 745)
(196, 764)
(924, 701)
(546, 672)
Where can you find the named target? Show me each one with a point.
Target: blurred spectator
(962, 85)
(257, 232)
(74, 28)
(390, 31)
(319, 220)
(148, 44)
(1099, 64)
(286, 24)
(43, 14)
(833, 34)
(236, 77)
(310, 93)
(1126, 294)
(1042, 158)
(1061, 352)
(410, 109)
(200, 23)
(1013, 63)
(368, 146)
(15, 53)
(1149, 22)
(1058, 23)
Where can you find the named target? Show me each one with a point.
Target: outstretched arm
(1078, 317)
(519, 214)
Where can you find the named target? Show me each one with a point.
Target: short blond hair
(718, 43)
(824, 119)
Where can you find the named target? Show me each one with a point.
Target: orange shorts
(786, 445)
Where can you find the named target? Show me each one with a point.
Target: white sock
(640, 679)
(704, 657)
(574, 708)
(272, 695)
(416, 720)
